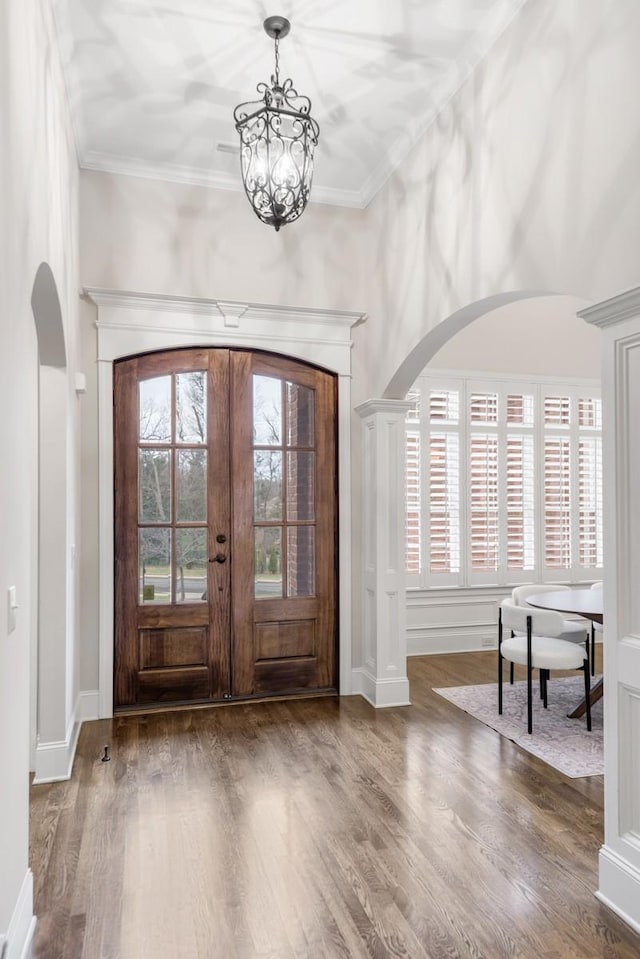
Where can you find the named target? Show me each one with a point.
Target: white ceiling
(153, 83)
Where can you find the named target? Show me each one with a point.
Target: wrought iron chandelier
(277, 140)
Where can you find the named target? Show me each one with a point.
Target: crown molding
(614, 310)
(198, 176)
(501, 16)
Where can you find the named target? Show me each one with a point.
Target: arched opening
(433, 341)
(52, 661)
(503, 335)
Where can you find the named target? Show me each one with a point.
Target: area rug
(563, 743)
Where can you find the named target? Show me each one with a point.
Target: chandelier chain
(277, 42)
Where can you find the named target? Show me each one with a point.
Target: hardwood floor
(320, 828)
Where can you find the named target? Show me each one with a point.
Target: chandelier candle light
(277, 140)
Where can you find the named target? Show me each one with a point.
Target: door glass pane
(300, 415)
(300, 486)
(267, 411)
(267, 485)
(154, 410)
(191, 486)
(268, 562)
(301, 574)
(154, 565)
(191, 565)
(191, 407)
(154, 486)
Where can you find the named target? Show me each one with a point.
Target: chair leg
(500, 663)
(529, 699)
(545, 676)
(511, 673)
(587, 693)
(593, 649)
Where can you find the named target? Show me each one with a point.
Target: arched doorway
(225, 527)
(51, 682)
(384, 625)
(129, 324)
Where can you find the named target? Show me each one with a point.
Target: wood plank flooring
(320, 828)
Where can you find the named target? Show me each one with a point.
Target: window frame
(539, 388)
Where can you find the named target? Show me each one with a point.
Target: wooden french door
(225, 527)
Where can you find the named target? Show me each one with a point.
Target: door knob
(221, 538)
(218, 558)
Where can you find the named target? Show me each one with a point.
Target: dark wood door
(225, 527)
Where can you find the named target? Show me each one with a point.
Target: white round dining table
(581, 602)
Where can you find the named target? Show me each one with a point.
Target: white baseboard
(54, 760)
(88, 707)
(619, 887)
(380, 693)
(19, 937)
(430, 642)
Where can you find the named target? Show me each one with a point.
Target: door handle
(218, 558)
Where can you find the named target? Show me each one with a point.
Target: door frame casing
(132, 323)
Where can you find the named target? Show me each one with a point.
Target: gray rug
(563, 743)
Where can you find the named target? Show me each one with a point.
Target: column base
(380, 692)
(619, 887)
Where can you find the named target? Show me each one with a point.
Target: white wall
(152, 236)
(156, 237)
(535, 337)
(38, 222)
(527, 181)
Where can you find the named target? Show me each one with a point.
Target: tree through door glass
(172, 489)
(284, 495)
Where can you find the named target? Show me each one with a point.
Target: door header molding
(130, 323)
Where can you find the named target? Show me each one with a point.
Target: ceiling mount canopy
(277, 140)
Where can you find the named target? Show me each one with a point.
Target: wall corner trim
(19, 936)
(54, 760)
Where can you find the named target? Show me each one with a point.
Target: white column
(619, 876)
(382, 676)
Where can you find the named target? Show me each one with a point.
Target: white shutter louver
(483, 408)
(520, 503)
(483, 501)
(557, 503)
(412, 492)
(444, 503)
(557, 411)
(590, 501)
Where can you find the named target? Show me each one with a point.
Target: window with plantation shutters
(442, 533)
(590, 501)
(412, 490)
(520, 503)
(557, 503)
(444, 504)
(503, 482)
(483, 501)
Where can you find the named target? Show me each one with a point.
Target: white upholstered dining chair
(576, 629)
(535, 643)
